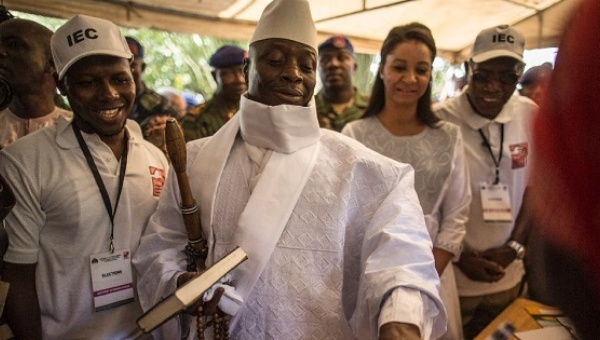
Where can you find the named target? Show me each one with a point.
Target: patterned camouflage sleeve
(330, 119)
(191, 123)
(204, 120)
(151, 104)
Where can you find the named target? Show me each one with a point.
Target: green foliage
(181, 60)
(51, 23)
(364, 75)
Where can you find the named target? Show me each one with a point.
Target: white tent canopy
(454, 23)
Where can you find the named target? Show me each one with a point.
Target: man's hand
(208, 307)
(399, 330)
(478, 268)
(185, 277)
(155, 124)
(503, 256)
(154, 131)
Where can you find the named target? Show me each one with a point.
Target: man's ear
(49, 67)
(245, 69)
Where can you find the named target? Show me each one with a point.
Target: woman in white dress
(399, 123)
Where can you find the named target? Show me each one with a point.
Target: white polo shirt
(60, 220)
(515, 165)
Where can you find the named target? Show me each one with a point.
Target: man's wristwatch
(519, 248)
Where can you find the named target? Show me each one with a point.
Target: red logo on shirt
(158, 180)
(518, 153)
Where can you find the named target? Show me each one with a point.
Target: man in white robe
(335, 236)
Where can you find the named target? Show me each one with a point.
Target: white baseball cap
(499, 41)
(287, 19)
(83, 36)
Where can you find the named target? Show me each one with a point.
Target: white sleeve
(410, 306)
(160, 257)
(407, 280)
(454, 208)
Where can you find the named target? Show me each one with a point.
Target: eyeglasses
(487, 77)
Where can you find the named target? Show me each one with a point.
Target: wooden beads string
(220, 320)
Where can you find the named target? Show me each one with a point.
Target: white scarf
(292, 134)
(283, 128)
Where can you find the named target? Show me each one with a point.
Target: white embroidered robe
(355, 234)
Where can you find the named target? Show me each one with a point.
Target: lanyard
(486, 142)
(103, 192)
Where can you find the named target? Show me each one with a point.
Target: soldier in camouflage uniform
(338, 102)
(148, 103)
(333, 119)
(205, 119)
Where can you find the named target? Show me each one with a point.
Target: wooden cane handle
(177, 153)
(175, 145)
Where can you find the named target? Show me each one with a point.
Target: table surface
(516, 314)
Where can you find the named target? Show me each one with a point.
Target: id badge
(112, 280)
(495, 202)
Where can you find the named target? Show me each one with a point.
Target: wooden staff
(197, 248)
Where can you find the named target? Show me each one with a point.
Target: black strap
(486, 142)
(103, 192)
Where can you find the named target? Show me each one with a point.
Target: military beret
(227, 56)
(339, 42)
(136, 48)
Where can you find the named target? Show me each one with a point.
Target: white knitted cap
(287, 19)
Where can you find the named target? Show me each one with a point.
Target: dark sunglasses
(504, 78)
